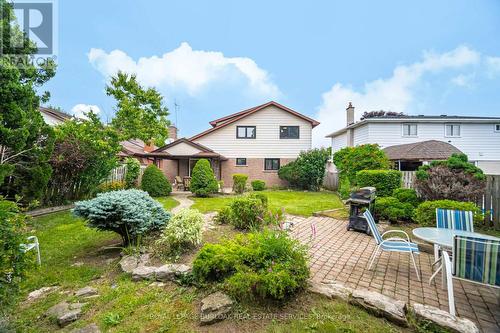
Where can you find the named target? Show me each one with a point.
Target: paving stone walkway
(342, 256)
(184, 201)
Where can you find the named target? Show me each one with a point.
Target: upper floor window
(245, 132)
(241, 161)
(497, 127)
(452, 130)
(289, 132)
(271, 164)
(409, 129)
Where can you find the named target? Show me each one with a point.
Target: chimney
(172, 133)
(148, 147)
(350, 114)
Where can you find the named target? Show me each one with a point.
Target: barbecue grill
(364, 198)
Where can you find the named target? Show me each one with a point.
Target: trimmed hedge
(133, 172)
(154, 182)
(392, 209)
(203, 181)
(425, 214)
(258, 185)
(239, 182)
(406, 195)
(385, 181)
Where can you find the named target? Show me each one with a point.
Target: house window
(409, 129)
(497, 127)
(289, 132)
(271, 164)
(240, 161)
(245, 132)
(452, 130)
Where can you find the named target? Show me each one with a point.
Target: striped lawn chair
(455, 219)
(393, 244)
(474, 259)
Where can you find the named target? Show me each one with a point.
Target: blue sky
(218, 57)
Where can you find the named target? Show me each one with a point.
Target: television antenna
(176, 108)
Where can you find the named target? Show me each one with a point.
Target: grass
(294, 202)
(168, 202)
(127, 306)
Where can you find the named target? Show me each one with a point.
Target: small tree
(203, 181)
(239, 182)
(453, 179)
(133, 171)
(307, 171)
(154, 182)
(350, 160)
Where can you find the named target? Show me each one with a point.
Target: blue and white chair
(32, 245)
(393, 244)
(474, 259)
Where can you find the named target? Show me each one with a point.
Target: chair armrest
(398, 240)
(395, 231)
(32, 238)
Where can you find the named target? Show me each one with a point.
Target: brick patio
(342, 256)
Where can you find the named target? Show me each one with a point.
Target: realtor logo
(37, 19)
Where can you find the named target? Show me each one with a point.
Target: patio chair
(393, 244)
(454, 220)
(33, 244)
(178, 183)
(476, 260)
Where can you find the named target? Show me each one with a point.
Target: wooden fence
(117, 174)
(408, 178)
(491, 201)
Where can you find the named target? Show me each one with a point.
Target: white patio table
(444, 238)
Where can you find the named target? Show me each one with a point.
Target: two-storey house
(256, 142)
(413, 140)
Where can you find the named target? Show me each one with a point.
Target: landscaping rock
(86, 292)
(215, 307)
(330, 290)
(157, 284)
(92, 328)
(143, 273)
(65, 312)
(169, 272)
(444, 319)
(36, 294)
(381, 305)
(129, 263)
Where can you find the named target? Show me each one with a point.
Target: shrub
(203, 181)
(258, 185)
(307, 171)
(425, 214)
(453, 179)
(247, 213)
(385, 181)
(262, 197)
(392, 209)
(406, 195)
(344, 187)
(224, 216)
(154, 182)
(239, 182)
(267, 265)
(130, 213)
(111, 186)
(350, 160)
(183, 231)
(13, 261)
(133, 172)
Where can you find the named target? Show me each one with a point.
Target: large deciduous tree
(26, 142)
(140, 113)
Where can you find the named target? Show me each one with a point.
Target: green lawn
(168, 202)
(294, 202)
(126, 306)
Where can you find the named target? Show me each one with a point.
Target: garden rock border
(215, 307)
(168, 272)
(131, 262)
(392, 309)
(65, 312)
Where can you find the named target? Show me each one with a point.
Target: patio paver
(342, 256)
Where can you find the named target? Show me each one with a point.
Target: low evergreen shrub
(239, 182)
(406, 195)
(203, 181)
(390, 208)
(385, 181)
(247, 213)
(425, 214)
(154, 182)
(133, 172)
(258, 185)
(267, 265)
(111, 186)
(130, 213)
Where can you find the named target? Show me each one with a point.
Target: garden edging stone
(444, 319)
(330, 290)
(381, 305)
(215, 307)
(65, 312)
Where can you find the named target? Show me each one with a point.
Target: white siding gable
(182, 149)
(267, 143)
(50, 120)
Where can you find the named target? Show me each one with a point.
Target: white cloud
(463, 80)
(185, 68)
(81, 110)
(493, 64)
(395, 93)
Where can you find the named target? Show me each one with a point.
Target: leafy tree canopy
(140, 113)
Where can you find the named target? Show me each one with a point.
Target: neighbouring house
(53, 117)
(412, 140)
(256, 142)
